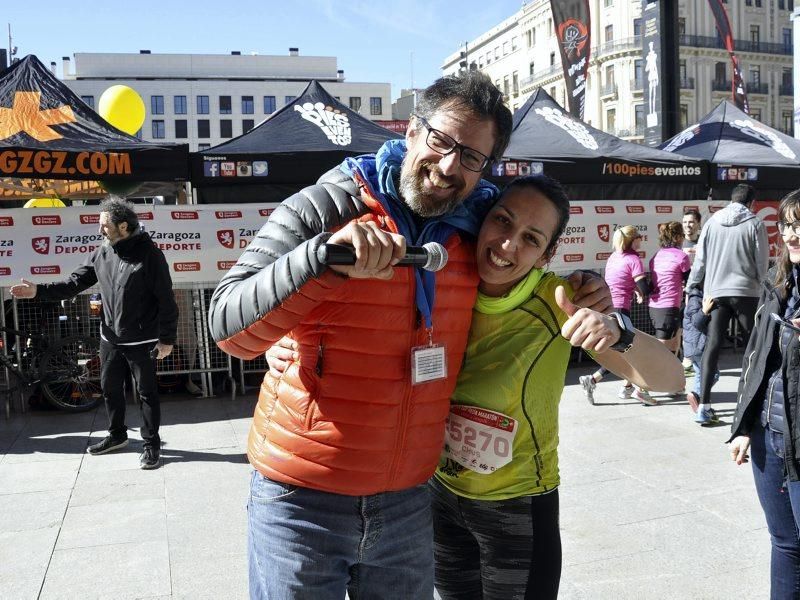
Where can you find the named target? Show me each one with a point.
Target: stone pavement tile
(34, 510)
(210, 463)
(120, 460)
(199, 436)
(113, 523)
(212, 572)
(24, 556)
(97, 487)
(113, 571)
(45, 447)
(17, 478)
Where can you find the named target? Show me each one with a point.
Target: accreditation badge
(479, 439)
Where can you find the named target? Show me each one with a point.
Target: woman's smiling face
(514, 239)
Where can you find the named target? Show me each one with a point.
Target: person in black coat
(766, 421)
(139, 320)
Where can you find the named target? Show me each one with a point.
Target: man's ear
(411, 130)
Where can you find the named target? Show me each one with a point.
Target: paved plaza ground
(651, 506)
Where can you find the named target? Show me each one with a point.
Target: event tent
(53, 144)
(286, 152)
(741, 150)
(594, 165)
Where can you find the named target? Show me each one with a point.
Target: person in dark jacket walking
(139, 320)
(766, 418)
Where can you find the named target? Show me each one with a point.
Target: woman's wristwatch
(626, 332)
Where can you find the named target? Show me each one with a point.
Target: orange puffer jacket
(345, 417)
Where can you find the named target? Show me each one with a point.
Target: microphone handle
(336, 254)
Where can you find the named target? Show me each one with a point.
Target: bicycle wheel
(70, 374)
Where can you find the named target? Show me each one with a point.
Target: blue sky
(373, 41)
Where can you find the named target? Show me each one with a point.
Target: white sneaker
(587, 381)
(644, 397)
(625, 392)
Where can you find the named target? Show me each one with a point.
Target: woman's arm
(648, 363)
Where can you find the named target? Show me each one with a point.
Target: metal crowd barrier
(195, 353)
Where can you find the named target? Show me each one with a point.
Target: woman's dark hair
(553, 191)
(783, 278)
(669, 234)
(120, 211)
(474, 93)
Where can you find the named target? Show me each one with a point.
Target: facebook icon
(210, 168)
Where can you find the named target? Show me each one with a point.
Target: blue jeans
(780, 500)
(304, 544)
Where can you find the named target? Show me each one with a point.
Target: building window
(248, 107)
(181, 129)
(506, 48)
(607, 3)
(203, 147)
(684, 116)
(788, 123)
(179, 104)
(506, 86)
(497, 52)
(513, 43)
(247, 125)
(637, 27)
(225, 105)
(638, 65)
(787, 40)
(682, 70)
(748, 2)
(202, 106)
(203, 128)
(552, 59)
(269, 105)
(721, 72)
(639, 118)
(781, 4)
(609, 33)
(355, 103)
(758, 3)
(89, 101)
(515, 82)
(611, 120)
(610, 76)
(681, 25)
(159, 133)
(288, 99)
(156, 105)
(375, 105)
(755, 113)
(225, 128)
(755, 35)
(531, 68)
(755, 75)
(529, 38)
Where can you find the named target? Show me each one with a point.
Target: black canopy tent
(741, 150)
(286, 152)
(592, 164)
(52, 143)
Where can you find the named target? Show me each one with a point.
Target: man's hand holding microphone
(362, 250)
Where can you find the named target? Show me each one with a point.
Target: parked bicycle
(66, 370)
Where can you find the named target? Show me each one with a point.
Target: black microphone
(431, 256)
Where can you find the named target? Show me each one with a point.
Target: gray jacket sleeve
(278, 264)
(698, 272)
(761, 250)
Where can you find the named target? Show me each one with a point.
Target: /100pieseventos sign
(199, 243)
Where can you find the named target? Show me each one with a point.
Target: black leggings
(496, 550)
(744, 309)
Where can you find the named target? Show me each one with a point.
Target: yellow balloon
(44, 203)
(122, 107)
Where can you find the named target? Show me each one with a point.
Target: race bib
(479, 439)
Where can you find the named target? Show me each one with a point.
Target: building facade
(522, 54)
(206, 99)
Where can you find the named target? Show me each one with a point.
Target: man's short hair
(743, 194)
(695, 213)
(120, 211)
(472, 92)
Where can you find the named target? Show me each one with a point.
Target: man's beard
(412, 190)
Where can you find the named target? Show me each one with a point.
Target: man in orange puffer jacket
(344, 441)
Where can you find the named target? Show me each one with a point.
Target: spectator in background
(731, 260)
(626, 278)
(696, 317)
(139, 317)
(691, 231)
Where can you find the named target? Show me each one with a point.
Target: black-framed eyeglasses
(442, 143)
(789, 228)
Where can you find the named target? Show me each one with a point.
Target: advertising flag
(572, 24)
(724, 27)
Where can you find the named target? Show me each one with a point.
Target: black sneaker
(150, 458)
(109, 444)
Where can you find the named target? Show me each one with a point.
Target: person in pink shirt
(669, 270)
(626, 278)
